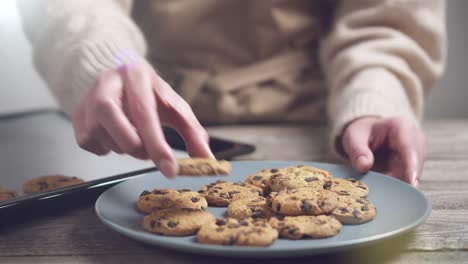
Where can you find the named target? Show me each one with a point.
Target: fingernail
(362, 161)
(415, 180)
(168, 168)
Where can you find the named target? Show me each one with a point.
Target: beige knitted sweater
(251, 61)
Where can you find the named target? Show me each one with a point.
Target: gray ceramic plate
(400, 208)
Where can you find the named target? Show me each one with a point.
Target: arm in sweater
(74, 41)
(380, 58)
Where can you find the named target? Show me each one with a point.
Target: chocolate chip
(147, 198)
(274, 176)
(291, 231)
(221, 221)
(269, 204)
(343, 193)
(362, 187)
(344, 210)
(43, 185)
(172, 224)
(311, 179)
(327, 185)
(360, 201)
(305, 206)
(195, 199)
(145, 192)
(352, 180)
(152, 223)
(218, 188)
(74, 178)
(257, 178)
(274, 170)
(232, 240)
(365, 208)
(257, 214)
(243, 223)
(356, 214)
(160, 192)
(278, 207)
(185, 190)
(201, 191)
(300, 166)
(279, 217)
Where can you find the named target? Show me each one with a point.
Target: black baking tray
(41, 142)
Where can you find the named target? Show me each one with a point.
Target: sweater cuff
(372, 92)
(87, 63)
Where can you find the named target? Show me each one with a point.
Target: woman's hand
(125, 112)
(394, 146)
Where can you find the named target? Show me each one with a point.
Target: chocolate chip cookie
(176, 222)
(170, 198)
(6, 194)
(244, 232)
(203, 166)
(347, 187)
(300, 176)
(222, 193)
(249, 208)
(303, 201)
(354, 210)
(47, 183)
(262, 178)
(297, 227)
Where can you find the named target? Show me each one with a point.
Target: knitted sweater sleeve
(380, 58)
(74, 41)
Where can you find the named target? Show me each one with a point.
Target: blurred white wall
(20, 86)
(22, 89)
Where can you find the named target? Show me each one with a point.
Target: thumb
(356, 146)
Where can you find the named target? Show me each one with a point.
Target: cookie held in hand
(203, 166)
(6, 194)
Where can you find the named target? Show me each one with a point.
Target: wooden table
(78, 236)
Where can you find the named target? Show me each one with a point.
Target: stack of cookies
(293, 203)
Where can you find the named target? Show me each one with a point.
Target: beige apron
(239, 61)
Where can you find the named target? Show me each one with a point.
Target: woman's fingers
(143, 113)
(123, 135)
(176, 113)
(356, 139)
(408, 143)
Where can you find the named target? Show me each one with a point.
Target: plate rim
(258, 252)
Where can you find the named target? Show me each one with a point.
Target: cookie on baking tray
(47, 183)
